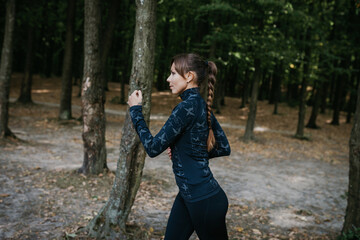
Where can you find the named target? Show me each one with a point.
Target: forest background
(288, 55)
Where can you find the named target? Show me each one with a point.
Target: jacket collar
(189, 92)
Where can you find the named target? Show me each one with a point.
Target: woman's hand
(169, 152)
(135, 98)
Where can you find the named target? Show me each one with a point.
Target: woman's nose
(168, 79)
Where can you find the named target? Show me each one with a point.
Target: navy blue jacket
(186, 132)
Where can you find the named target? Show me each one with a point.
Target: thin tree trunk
(352, 101)
(250, 124)
(67, 71)
(337, 97)
(5, 68)
(107, 39)
(315, 108)
(93, 94)
(245, 92)
(302, 107)
(111, 219)
(164, 61)
(324, 95)
(352, 214)
(276, 87)
(26, 83)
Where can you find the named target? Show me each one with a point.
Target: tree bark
(250, 124)
(351, 105)
(164, 61)
(245, 92)
(110, 221)
(302, 106)
(352, 214)
(26, 83)
(276, 86)
(315, 108)
(93, 95)
(340, 82)
(5, 68)
(324, 96)
(67, 71)
(336, 105)
(107, 39)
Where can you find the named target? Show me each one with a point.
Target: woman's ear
(189, 76)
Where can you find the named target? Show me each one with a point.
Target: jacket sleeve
(222, 146)
(181, 116)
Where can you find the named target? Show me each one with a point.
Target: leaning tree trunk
(26, 83)
(250, 124)
(110, 221)
(5, 68)
(93, 94)
(67, 71)
(352, 215)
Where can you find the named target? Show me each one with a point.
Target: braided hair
(205, 72)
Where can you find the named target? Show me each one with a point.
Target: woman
(192, 136)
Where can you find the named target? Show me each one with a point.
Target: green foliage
(233, 33)
(352, 234)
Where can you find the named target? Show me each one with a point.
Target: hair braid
(212, 70)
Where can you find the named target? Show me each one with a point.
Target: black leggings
(206, 217)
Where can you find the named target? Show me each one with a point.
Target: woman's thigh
(208, 217)
(179, 226)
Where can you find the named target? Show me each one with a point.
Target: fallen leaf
(256, 231)
(4, 195)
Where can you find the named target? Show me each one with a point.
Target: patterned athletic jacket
(186, 132)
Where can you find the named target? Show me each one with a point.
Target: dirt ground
(278, 187)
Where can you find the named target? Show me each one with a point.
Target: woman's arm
(174, 126)
(222, 146)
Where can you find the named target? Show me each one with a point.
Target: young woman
(193, 136)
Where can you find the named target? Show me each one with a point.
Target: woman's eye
(173, 73)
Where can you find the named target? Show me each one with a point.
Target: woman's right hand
(169, 152)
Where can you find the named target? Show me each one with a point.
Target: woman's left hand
(135, 98)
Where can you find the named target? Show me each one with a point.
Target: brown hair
(205, 71)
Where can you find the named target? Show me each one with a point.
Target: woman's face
(176, 82)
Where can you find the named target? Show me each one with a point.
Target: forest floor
(278, 187)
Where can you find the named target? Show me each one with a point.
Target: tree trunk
(324, 95)
(93, 94)
(219, 87)
(352, 214)
(67, 71)
(110, 222)
(265, 86)
(315, 108)
(337, 99)
(5, 68)
(351, 105)
(25, 89)
(107, 39)
(250, 124)
(302, 106)
(245, 92)
(164, 61)
(276, 86)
